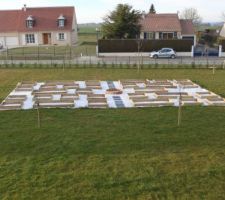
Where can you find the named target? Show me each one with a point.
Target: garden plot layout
(109, 94)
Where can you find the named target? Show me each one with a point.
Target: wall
(74, 34)
(55, 39)
(157, 35)
(10, 34)
(179, 54)
(222, 54)
(39, 38)
(195, 38)
(22, 39)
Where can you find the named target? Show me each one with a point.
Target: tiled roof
(187, 27)
(45, 19)
(161, 22)
(9, 20)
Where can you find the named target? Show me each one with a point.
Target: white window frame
(61, 22)
(61, 36)
(30, 38)
(30, 23)
(167, 34)
(150, 35)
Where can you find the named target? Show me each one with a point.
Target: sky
(88, 11)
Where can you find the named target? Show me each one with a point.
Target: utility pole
(97, 37)
(139, 45)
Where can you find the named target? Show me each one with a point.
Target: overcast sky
(95, 10)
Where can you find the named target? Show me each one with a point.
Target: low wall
(222, 54)
(179, 54)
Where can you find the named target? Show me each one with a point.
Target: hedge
(130, 46)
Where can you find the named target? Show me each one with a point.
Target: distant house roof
(161, 22)
(45, 19)
(187, 27)
(166, 23)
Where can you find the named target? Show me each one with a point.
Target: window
(29, 24)
(160, 35)
(149, 36)
(61, 36)
(175, 35)
(30, 39)
(166, 35)
(61, 23)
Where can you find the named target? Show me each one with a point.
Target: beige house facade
(38, 26)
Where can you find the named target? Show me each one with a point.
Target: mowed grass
(112, 154)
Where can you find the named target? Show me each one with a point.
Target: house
(166, 26)
(38, 26)
(222, 32)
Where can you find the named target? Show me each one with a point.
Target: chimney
(24, 7)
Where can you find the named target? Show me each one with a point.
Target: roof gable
(45, 19)
(187, 27)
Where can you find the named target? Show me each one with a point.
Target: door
(12, 41)
(45, 38)
(162, 53)
(189, 38)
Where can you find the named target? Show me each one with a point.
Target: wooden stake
(38, 116)
(179, 110)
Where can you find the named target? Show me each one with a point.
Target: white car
(164, 53)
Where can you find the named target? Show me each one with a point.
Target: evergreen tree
(122, 23)
(152, 9)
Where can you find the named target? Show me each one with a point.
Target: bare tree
(191, 14)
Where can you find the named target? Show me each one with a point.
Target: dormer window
(30, 22)
(61, 21)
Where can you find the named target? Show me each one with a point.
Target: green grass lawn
(112, 154)
(88, 28)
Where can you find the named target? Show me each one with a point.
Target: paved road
(126, 61)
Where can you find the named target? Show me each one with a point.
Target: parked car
(164, 53)
(1, 46)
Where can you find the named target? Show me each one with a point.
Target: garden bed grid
(109, 94)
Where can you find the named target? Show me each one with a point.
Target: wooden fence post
(38, 116)
(180, 108)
